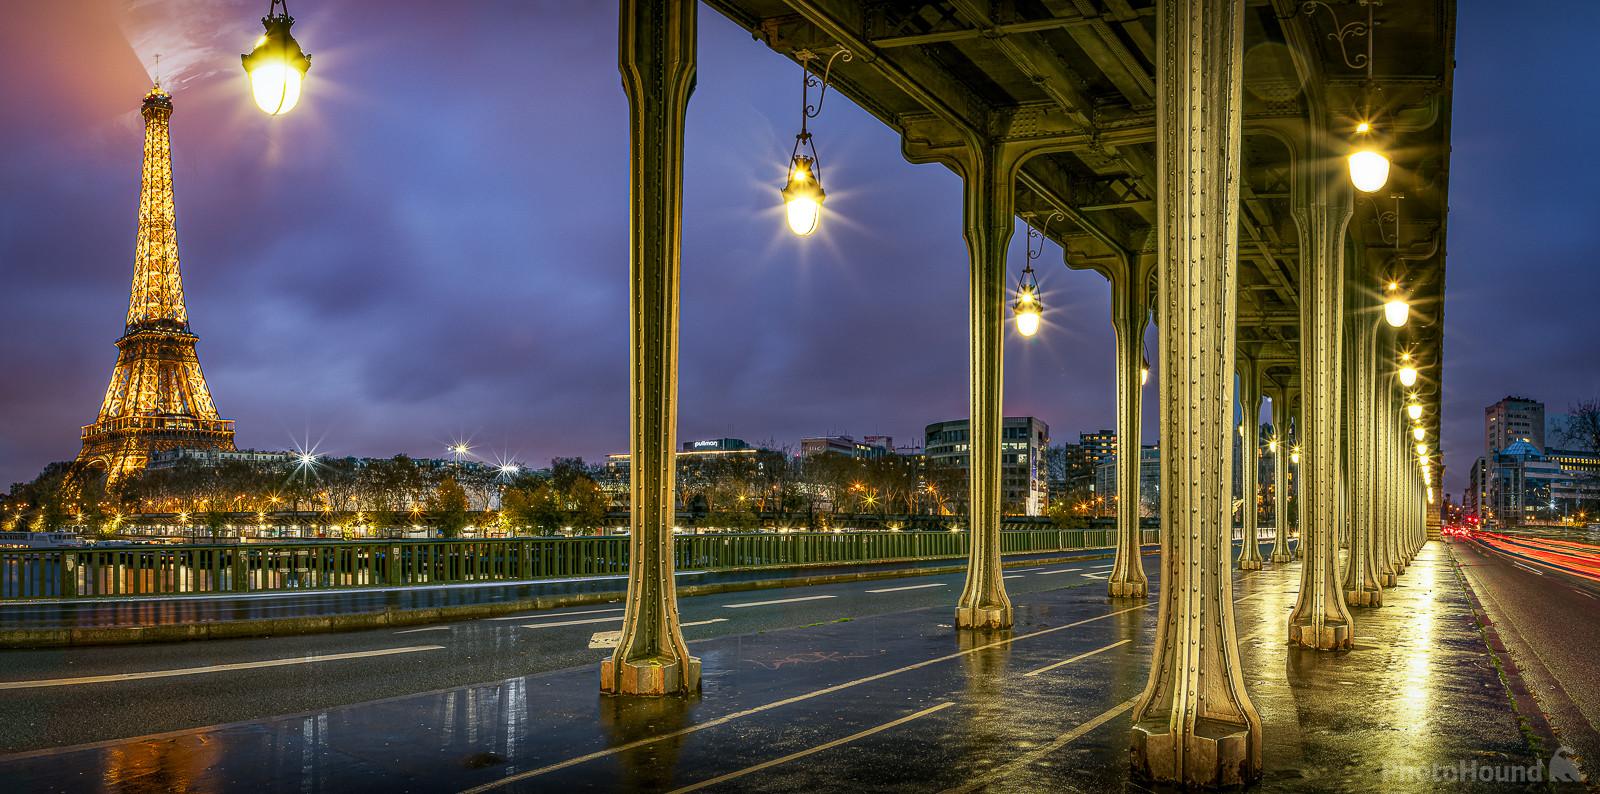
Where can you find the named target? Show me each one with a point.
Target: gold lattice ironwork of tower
(158, 398)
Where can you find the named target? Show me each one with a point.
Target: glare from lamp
(1369, 170)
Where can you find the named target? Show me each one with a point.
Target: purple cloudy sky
(433, 245)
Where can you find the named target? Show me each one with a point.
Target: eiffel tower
(158, 398)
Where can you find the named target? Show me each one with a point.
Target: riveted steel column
(1361, 585)
(1250, 465)
(1399, 462)
(1194, 724)
(656, 55)
(1280, 476)
(1129, 312)
(989, 181)
(1384, 454)
(1322, 207)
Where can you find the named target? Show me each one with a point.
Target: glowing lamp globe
(1395, 312)
(1422, 449)
(1369, 170)
(1418, 433)
(1027, 310)
(1144, 374)
(1414, 410)
(802, 197)
(1408, 375)
(1294, 455)
(276, 67)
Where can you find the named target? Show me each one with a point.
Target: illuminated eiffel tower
(158, 398)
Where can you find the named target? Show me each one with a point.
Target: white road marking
(424, 628)
(1025, 570)
(1102, 575)
(1529, 570)
(1058, 570)
(610, 639)
(558, 615)
(1060, 741)
(213, 668)
(909, 587)
(584, 622)
(812, 751)
(727, 718)
(1094, 567)
(1047, 668)
(777, 601)
(1013, 576)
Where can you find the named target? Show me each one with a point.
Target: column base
(1249, 565)
(1216, 754)
(1282, 556)
(1364, 598)
(984, 618)
(650, 678)
(1333, 636)
(1387, 579)
(1128, 589)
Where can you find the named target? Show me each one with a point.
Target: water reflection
(652, 767)
(988, 705)
(161, 765)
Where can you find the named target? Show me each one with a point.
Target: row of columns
(1194, 722)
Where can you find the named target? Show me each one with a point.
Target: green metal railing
(276, 567)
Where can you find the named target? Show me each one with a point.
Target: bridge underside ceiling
(1073, 82)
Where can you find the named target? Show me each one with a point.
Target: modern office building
(1023, 478)
(1105, 481)
(870, 447)
(1510, 420)
(1521, 485)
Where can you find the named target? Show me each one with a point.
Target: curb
(322, 624)
(1536, 726)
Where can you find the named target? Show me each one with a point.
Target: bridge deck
(891, 697)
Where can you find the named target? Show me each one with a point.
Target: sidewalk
(888, 703)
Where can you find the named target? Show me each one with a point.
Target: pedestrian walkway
(889, 702)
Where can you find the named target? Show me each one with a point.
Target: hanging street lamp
(1294, 455)
(1369, 168)
(1414, 408)
(1408, 371)
(802, 194)
(276, 65)
(1418, 433)
(1396, 309)
(1029, 305)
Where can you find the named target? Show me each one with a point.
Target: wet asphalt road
(1551, 626)
(387, 663)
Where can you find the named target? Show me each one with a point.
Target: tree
(447, 508)
(1582, 426)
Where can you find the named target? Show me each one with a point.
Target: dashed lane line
(1060, 741)
(213, 668)
(776, 601)
(558, 614)
(1047, 668)
(813, 750)
(727, 718)
(909, 587)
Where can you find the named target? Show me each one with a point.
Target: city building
(870, 447)
(211, 457)
(1510, 420)
(1105, 482)
(1521, 485)
(696, 463)
(1023, 477)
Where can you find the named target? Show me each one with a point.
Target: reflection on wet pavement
(895, 701)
